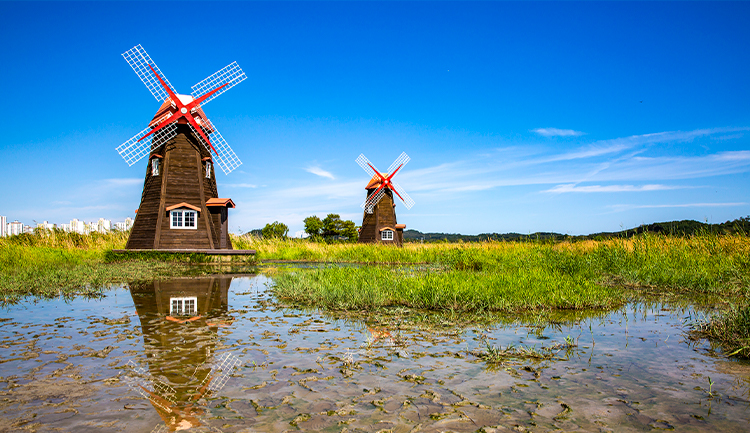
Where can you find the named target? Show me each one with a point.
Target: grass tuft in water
(357, 288)
(731, 329)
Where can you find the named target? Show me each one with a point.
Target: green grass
(476, 277)
(55, 263)
(730, 329)
(370, 287)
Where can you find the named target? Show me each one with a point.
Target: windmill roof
(166, 107)
(375, 181)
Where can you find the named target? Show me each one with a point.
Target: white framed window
(386, 235)
(155, 167)
(183, 306)
(183, 219)
(208, 170)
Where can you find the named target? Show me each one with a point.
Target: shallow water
(236, 360)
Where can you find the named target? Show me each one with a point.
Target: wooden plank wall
(144, 227)
(184, 184)
(383, 215)
(181, 179)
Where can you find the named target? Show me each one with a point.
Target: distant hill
(677, 228)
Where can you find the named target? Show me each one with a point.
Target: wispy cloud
(571, 187)
(555, 132)
(319, 172)
(739, 155)
(624, 207)
(239, 185)
(123, 182)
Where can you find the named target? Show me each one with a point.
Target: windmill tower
(180, 206)
(379, 221)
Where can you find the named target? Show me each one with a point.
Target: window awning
(386, 228)
(220, 202)
(183, 204)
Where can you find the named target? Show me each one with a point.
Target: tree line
(332, 227)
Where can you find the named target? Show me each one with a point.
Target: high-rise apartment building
(15, 228)
(3, 226)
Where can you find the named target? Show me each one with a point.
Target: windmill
(180, 207)
(379, 220)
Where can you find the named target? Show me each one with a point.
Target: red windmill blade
(384, 181)
(180, 109)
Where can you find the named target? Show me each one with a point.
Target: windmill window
(154, 167)
(386, 235)
(183, 306)
(208, 170)
(183, 219)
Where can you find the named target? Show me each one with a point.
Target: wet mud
(221, 354)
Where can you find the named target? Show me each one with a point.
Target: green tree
(332, 225)
(350, 230)
(314, 226)
(275, 230)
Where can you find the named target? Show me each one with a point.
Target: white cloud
(300, 234)
(319, 172)
(555, 132)
(124, 182)
(739, 155)
(624, 207)
(572, 187)
(239, 185)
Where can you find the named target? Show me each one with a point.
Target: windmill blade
(231, 75)
(400, 161)
(372, 201)
(366, 165)
(138, 59)
(224, 366)
(142, 382)
(133, 150)
(408, 202)
(225, 157)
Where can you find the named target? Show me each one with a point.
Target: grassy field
(55, 263)
(476, 277)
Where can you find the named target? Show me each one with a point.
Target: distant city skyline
(100, 225)
(567, 117)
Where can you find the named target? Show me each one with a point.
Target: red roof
(220, 202)
(183, 204)
(166, 107)
(375, 181)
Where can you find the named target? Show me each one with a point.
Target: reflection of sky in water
(64, 365)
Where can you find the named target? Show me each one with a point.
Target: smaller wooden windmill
(379, 221)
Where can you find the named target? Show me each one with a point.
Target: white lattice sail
(231, 75)
(224, 156)
(133, 150)
(138, 59)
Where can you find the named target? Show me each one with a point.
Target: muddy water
(220, 354)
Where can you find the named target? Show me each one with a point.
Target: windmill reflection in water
(180, 320)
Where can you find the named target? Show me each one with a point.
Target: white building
(15, 228)
(77, 226)
(45, 226)
(125, 225)
(3, 226)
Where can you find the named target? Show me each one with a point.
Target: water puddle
(220, 354)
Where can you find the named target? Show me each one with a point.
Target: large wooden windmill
(379, 221)
(180, 206)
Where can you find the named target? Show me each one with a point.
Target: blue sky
(518, 117)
